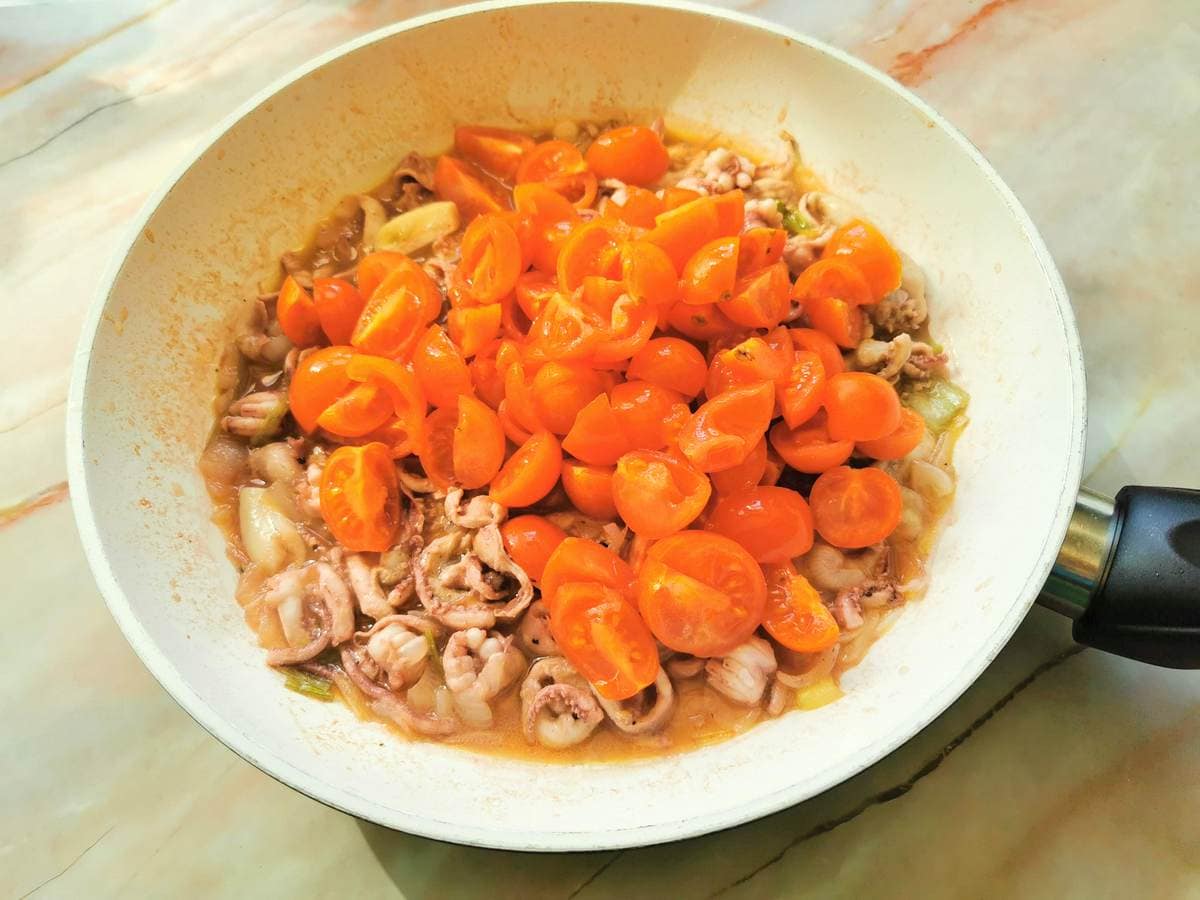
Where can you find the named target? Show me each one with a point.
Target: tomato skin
(297, 314)
(723, 431)
(473, 328)
(820, 344)
(860, 407)
(338, 305)
(774, 524)
(472, 191)
(479, 443)
(809, 448)
(580, 560)
(602, 635)
(560, 166)
(530, 473)
(680, 232)
(899, 443)
(373, 268)
(436, 448)
(590, 489)
(832, 277)
(751, 362)
(634, 154)
(593, 248)
(854, 508)
(530, 540)
(710, 273)
(701, 593)
(795, 615)
(801, 392)
(863, 246)
(838, 319)
(639, 209)
(648, 274)
(496, 150)
(561, 389)
(672, 363)
(760, 247)
(596, 436)
(360, 497)
(400, 386)
(760, 300)
(398, 312)
(649, 416)
(701, 323)
(318, 381)
(745, 474)
(658, 494)
(490, 261)
(441, 369)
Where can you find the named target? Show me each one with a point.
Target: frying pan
(140, 410)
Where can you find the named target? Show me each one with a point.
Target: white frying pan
(144, 381)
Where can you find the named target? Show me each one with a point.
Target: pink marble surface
(1060, 773)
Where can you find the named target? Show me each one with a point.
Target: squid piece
(478, 665)
(557, 709)
(645, 712)
(743, 674)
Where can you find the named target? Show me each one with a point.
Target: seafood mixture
(584, 440)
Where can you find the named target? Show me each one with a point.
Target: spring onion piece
(818, 694)
(793, 222)
(418, 227)
(309, 685)
(938, 402)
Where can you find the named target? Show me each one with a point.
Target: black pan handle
(1129, 574)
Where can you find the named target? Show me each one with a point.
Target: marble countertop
(1060, 773)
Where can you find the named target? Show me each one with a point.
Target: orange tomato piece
(590, 489)
(633, 154)
(486, 375)
(747, 473)
(631, 323)
(338, 304)
(565, 329)
(518, 398)
(748, 363)
(649, 415)
(840, 320)
(297, 314)
(440, 368)
(760, 300)
(672, 363)
(868, 250)
(359, 411)
(899, 443)
(478, 443)
(809, 448)
(855, 508)
(774, 524)
(760, 247)
(723, 431)
(550, 220)
(490, 260)
(549, 159)
(795, 615)
(602, 635)
(680, 232)
(700, 323)
(861, 407)
(497, 150)
(639, 209)
(374, 267)
(513, 430)
(534, 288)
(801, 391)
(402, 390)
(436, 448)
(530, 473)
(529, 541)
(318, 381)
(701, 593)
(397, 313)
(474, 327)
(472, 191)
(731, 211)
(561, 390)
(675, 197)
(594, 248)
(582, 561)
(596, 436)
(822, 345)
(832, 276)
(360, 497)
(710, 274)
(658, 494)
(648, 274)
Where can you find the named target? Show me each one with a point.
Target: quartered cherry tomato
(530, 473)
(602, 635)
(773, 523)
(400, 309)
(673, 363)
(795, 615)
(360, 497)
(529, 541)
(497, 150)
(723, 431)
(633, 154)
(658, 494)
(297, 314)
